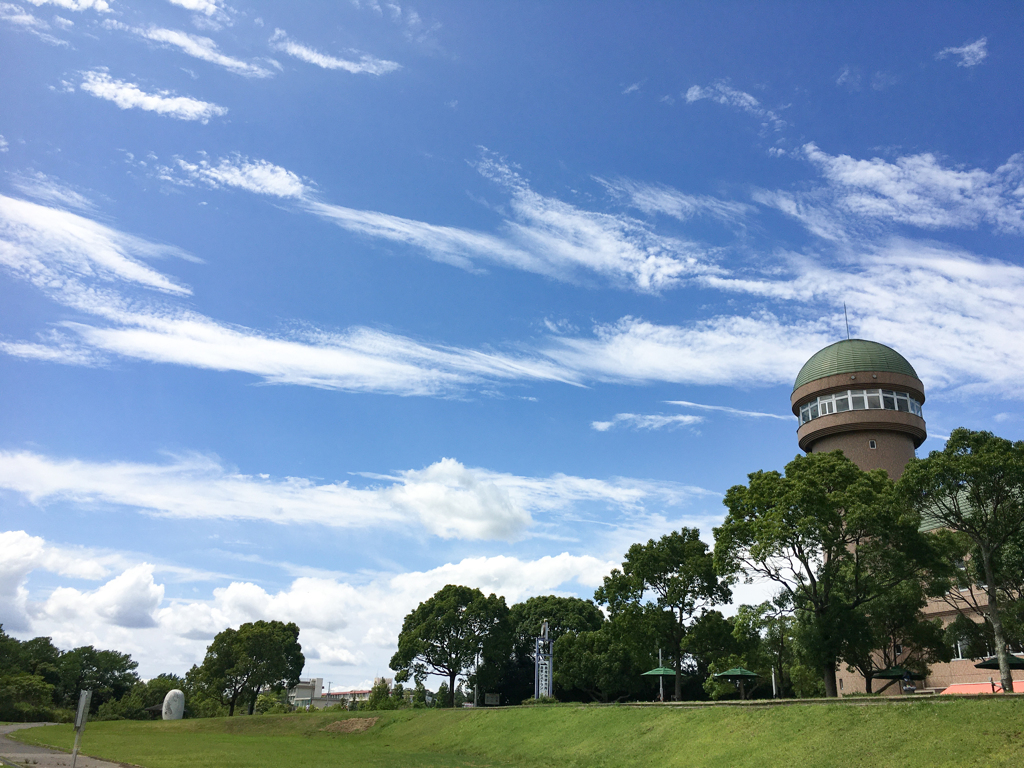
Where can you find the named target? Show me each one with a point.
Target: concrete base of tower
(871, 449)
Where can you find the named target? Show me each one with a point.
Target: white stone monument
(174, 705)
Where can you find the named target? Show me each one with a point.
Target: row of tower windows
(859, 400)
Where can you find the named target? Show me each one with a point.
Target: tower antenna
(847, 321)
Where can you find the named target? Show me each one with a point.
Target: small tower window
(872, 444)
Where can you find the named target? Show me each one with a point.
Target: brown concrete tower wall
(892, 450)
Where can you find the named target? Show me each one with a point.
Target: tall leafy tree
(108, 674)
(446, 632)
(241, 662)
(512, 675)
(831, 536)
(675, 575)
(975, 486)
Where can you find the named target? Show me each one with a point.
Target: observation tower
(862, 398)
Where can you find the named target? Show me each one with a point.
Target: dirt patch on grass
(352, 725)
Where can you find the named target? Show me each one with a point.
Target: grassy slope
(926, 733)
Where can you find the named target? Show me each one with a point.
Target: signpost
(84, 699)
(543, 678)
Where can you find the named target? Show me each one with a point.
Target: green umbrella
(896, 673)
(737, 675)
(1016, 662)
(664, 671)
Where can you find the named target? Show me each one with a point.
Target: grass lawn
(932, 732)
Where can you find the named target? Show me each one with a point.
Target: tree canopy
(975, 486)
(242, 662)
(832, 537)
(444, 634)
(676, 575)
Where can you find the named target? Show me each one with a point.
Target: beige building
(865, 399)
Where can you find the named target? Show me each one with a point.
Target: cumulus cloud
(649, 421)
(445, 499)
(722, 93)
(355, 635)
(257, 176)
(971, 54)
(198, 47)
(130, 96)
(366, 64)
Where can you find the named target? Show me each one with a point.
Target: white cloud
(756, 350)
(722, 93)
(257, 176)
(128, 600)
(198, 47)
(731, 411)
(100, 6)
(649, 421)
(632, 88)
(445, 499)
(542, 235)
(915, 189)
(51, 190)
(659, 198)
(55, 250)
(3, 144)
(971, 54)
(130, 96)
(367, 64)
(19, 17)
(348, 627)
(211, 8)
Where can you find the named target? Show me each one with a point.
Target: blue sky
(309, 310)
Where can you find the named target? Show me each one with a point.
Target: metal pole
(775, 695)
(661, 679)
(84, 699)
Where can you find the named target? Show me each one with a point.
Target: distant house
(310, 693)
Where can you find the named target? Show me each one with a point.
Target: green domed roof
(851, 356)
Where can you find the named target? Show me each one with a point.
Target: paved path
(18, 754)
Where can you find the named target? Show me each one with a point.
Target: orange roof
(974, 688)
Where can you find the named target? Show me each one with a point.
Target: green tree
(444, 634)
(831, 536)
(975, 486)
(895, 620)
(677, 575)
(240, 664)
(108, 674)
(608, 664)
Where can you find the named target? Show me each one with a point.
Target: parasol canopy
(661, 671)
(1016, 662)
(897, 673)
(736, 673)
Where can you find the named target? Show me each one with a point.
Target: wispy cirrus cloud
(445, 499)
(87, 266)
(196, 46)
(723, 93)
(648, 421)
(47, 189)
(21, 19)
(130, 96)
(542, 234)
(365, 64)
(729, 410)
(915, 189)
(970, 54)
(663, 199)
(100, 6)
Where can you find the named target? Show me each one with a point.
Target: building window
(859, 400)
(872, 445)
(840, 683)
